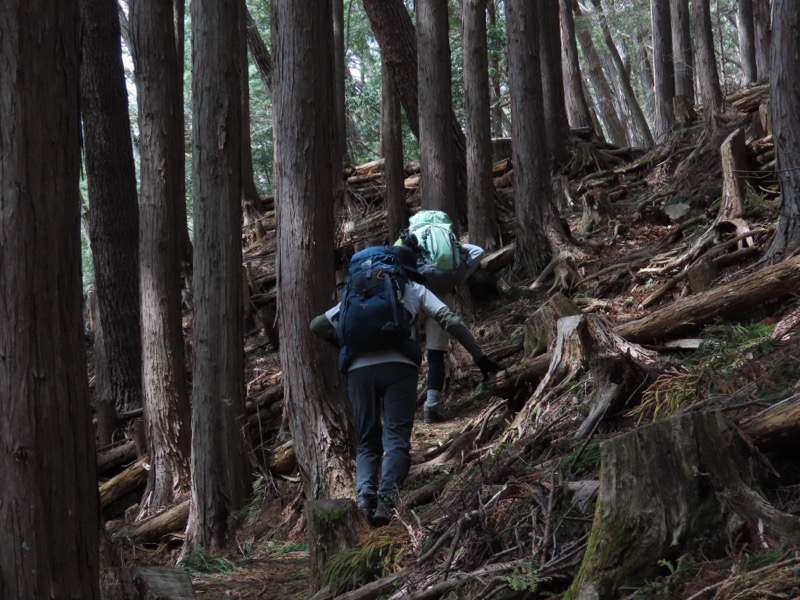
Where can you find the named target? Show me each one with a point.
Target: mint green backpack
(437, 241)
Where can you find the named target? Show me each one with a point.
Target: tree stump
(146, 583)
(587, 342)
(667, 490)
(540, 327)
(333, 527)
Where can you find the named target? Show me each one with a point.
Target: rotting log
(282, 460)
(108, 458)
(732, 299)
(499, 258)
(128, 480)
(777, 425)
(666, 490)
(155, 528)
(333, 527)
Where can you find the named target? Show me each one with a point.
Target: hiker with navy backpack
(444, 263)
(374, 327)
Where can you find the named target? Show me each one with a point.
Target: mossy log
(667, 490)
(333, 527)
(778, 425)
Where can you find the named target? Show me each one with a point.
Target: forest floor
(741, 368)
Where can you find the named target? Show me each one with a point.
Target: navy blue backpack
(371, 313)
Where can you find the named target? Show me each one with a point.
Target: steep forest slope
(639, 442)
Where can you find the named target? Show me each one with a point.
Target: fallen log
(777, 425)
(127, 481)
(108, 458)
(155, 528)
(733, 299)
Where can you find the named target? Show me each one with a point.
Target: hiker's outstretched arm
(324, 330)
(452, 324)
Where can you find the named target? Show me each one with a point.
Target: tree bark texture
(397, 39)
(577, 108)
(646, 78)
(663, 72)
(644, 137)
(603, 93)
(437, 182)
(259, 53)
(555, 108)
(710, 90)
(393, 168)
(113, 208)
(785, 101)
(531, 173)
(735, 298)
(682, 55)
(481, 206)
(763, 35)
(539, 230)
(747, 41)
(303, 106)
(219, 459)
(663, 489)
(167, 414)
(48, 501)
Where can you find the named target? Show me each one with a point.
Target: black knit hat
(408, 260)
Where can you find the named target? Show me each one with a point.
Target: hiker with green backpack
(374, 328)
(444, 263)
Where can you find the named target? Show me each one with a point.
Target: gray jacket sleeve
(452, 324)
(471, 262)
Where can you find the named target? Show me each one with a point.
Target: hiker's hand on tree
(488, 366)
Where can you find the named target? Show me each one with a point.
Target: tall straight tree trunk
(397, 39)
(437, 182)
(113, 206)
(642, 130)
(762, 21)
(48, 501)
(535, 214)
(707, 64)
(682, 56)
(663, 72)
(498, 115)
(166, 403)
(249, 191)
(392, 152)
(340, 143)
(785, 94)
(577, 106)
(605, 103)
(219, 457)
(184, 242)
(318, 414)
(646, 77)
(747, 40)
(555, 108)
(481, 217)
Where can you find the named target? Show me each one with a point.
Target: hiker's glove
(488, 366)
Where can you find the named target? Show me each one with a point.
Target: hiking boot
(368, 508)
(382, 515)
(431, 415)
